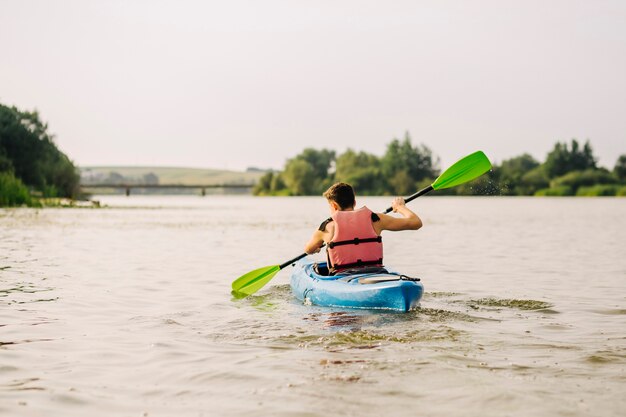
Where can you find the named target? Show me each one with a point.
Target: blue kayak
(371, 290)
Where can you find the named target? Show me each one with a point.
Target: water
(126, 311)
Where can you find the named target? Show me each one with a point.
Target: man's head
(342, 195)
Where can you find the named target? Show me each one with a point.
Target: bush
(271, 184)
(597, 191)
(621, 192)
(533, 180)
(12, 191)
(587, 178)
(560, 191)
(620, 168)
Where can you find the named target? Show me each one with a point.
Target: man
(353, 236)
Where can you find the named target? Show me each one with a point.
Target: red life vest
(355, 242)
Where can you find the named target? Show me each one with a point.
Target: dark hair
(342, 194)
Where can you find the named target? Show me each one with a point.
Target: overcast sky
(232, 84)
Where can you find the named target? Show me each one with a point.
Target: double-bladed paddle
(464, 170)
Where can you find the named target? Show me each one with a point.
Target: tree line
(569, 169)
(30, 162)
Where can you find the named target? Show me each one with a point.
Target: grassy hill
(168, 175)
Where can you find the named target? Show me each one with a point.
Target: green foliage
(589, 177)
(320, 161)
(405, 168)
(405, 165)
(12, 191)
(271, 183)
(563, 159)
(5, 163)
(621, 191)
(362, 171)
(28, 150)
(560, 191)
(533, 180)
(399, 171)
(521, 175)
(620, 168)
(299, 176)
(264, 184)
(308, 172)
(598, 191)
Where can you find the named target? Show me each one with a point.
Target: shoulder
(322, 227)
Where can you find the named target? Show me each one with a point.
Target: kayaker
(352, 235)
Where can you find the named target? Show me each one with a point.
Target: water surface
(127, 311)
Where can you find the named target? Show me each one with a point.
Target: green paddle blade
(464, 170)
(253, 281)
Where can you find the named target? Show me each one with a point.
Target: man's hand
(315, 251)
(315, 243)
(397, 203)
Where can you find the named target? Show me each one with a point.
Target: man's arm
(408, 221)
(315, 243)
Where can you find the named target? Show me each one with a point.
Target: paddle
(464, 170)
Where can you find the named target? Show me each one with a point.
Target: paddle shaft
(413, 196)
(294, 260)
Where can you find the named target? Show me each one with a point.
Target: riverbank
(13, 193)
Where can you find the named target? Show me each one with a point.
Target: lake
(127, 311)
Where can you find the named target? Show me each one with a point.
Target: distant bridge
(201, 187)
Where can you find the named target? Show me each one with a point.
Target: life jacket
(355, 242)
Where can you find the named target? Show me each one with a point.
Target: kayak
(373, 289)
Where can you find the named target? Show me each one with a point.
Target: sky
(233, 84)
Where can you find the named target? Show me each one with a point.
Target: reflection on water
(128, 311)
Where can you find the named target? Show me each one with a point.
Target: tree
(562, 159)
(361, 170)
(5, 163)
(300, 178)
(511, 173)
(308, 172)
(271, 183)
(533, 181)
(278, 186)
(320, 160)
(28, 150)
(417, 162)
(263, 186)
(589, 177)
(620, 168)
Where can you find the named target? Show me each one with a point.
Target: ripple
(326, 362)
(368, 339)
(21, 385)
(611, 312)
(19, 342)
(607, 357)
(438, 315)
(508, 303)
(23, 289)
(37, 300)
(271, 300)
(441, 294)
